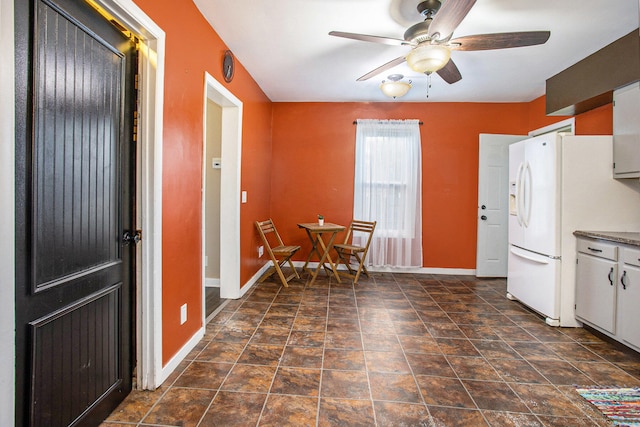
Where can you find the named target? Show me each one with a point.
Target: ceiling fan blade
(373, 39)
(382, 68)
(450, 72)
(449, 17)
(499, 40)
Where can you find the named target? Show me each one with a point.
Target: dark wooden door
(75, 100)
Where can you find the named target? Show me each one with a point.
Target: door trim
(7, 216)
(230, 186)
(148, 188)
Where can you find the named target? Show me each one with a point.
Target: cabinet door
(626, 132)
(595, 291)
(628, 304)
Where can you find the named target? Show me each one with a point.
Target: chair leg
(282, 278)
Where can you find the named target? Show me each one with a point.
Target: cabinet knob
(483, 217)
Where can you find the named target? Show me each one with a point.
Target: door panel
(493, 205)
(74, 156)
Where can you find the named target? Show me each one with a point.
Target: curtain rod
(355, 122)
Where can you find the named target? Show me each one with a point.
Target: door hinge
(131, 237)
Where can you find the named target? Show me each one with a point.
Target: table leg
(324, 256)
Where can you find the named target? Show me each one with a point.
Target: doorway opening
(220, 196)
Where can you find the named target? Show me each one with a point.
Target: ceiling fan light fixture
(395, 87)
(428, 58)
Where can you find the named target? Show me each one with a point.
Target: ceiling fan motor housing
(429, 7)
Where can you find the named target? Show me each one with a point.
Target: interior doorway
(222, 156)
(211, 221)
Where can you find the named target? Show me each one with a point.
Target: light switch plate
(183, 314)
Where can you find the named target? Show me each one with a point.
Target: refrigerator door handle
(519, 253)
(519, 206)
(528, 191)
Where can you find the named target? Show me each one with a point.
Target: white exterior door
(493, 204)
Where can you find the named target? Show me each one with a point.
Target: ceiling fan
(431, 43)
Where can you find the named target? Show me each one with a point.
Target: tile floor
(395, 350)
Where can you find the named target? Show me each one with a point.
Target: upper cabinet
(626, 131)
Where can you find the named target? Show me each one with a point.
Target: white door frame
(148, 187)
(231, 156)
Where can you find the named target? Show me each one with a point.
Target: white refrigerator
(558, 184)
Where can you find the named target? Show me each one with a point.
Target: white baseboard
(181, 355)
(254, 279)
(210, 282)
(415, 270)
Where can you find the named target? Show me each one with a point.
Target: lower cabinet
(608, 289)
(629, 298)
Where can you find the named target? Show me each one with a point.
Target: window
(388, 190)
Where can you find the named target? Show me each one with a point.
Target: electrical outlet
(244, 196)
(183, 314)
(260, 251)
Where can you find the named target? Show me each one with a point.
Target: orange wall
(192, 47)
(314, 154)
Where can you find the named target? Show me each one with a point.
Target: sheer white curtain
(388, 176)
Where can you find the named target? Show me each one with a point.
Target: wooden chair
(279, 253)
(346, 251)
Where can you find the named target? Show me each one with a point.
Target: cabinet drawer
(597, 248)
(631, 256)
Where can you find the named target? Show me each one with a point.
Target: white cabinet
(595, 284)
(626, 131)
(629, 298)
(608, 289)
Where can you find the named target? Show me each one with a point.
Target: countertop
(626, 237)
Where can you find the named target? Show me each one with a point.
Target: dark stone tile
(613, 353)
(261, 354)
(203, 375)
(546, 333)
(249, 378)
(340, 311)
(302, 357)
(473, 368)
(180, 406)
(550, 421)
(513, 333)
(429, 364)
(277, 322)
(519, 371)
(386, 361)
(445, 330)
(457, 347)
(337, 324)
(313, 311)
(343, 412)
(344, 340)
(547, 400)
(381, 342)
(135, 406)
(494, 396)
(510, 419)
(306, 339)
(394, 387)
(456, 417)
(316, 324)
(345, 384)
(401, 414)
(217, 351)
(496, 350)
(344, 360)
(234, 409)
(534, 351)
(289, 411)
(605, 374)
(237, 335)
(574, 352)
(269, 336)
(444, 392)
(415, 328)
(298, 381)
(424, 344)
(559, 372)
(377, 327)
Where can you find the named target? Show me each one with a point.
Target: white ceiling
(285, 46)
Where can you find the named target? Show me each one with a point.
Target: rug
(620, 405)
